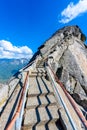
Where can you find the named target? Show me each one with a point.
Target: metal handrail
(72, 124)
(17, 113)
(73, 103)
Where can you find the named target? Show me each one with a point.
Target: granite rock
(67, 54)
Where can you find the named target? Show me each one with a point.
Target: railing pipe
(19, 119)
(17, 114)
(78, 111)
(73, 125)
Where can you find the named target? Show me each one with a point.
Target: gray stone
(67, 55)
(64, 119)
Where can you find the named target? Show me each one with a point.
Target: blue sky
(26, 24)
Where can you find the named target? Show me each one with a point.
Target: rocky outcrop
(3, 95)
(67, 55)
(6, 90)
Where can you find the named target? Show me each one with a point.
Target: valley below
(9, 67)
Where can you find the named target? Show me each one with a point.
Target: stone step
(48, 126)
(38, 73)
(35, 75)
(37, 87)
(42, 100)
(40, 66)
(39, 63)
(39, 94)
(42, 105)
(41, 69)
(45, 84)
(34, 72)
(40, 116)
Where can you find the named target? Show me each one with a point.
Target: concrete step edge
(40, 94)
(41, 105)
(39, 123)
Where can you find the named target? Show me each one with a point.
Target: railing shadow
(36, 109)
(15, 76)
(45, 85)
(46, 107)
(7, 102)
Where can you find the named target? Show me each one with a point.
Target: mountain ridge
(8, 67)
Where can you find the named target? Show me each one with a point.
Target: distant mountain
(8, 67)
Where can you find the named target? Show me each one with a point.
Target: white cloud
(7, 50)
(73, 10)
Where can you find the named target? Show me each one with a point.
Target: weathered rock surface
(67, 55)
(3, 95)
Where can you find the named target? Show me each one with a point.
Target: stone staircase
(41, 110)
(40, 64)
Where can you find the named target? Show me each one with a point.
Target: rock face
(67, 55)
